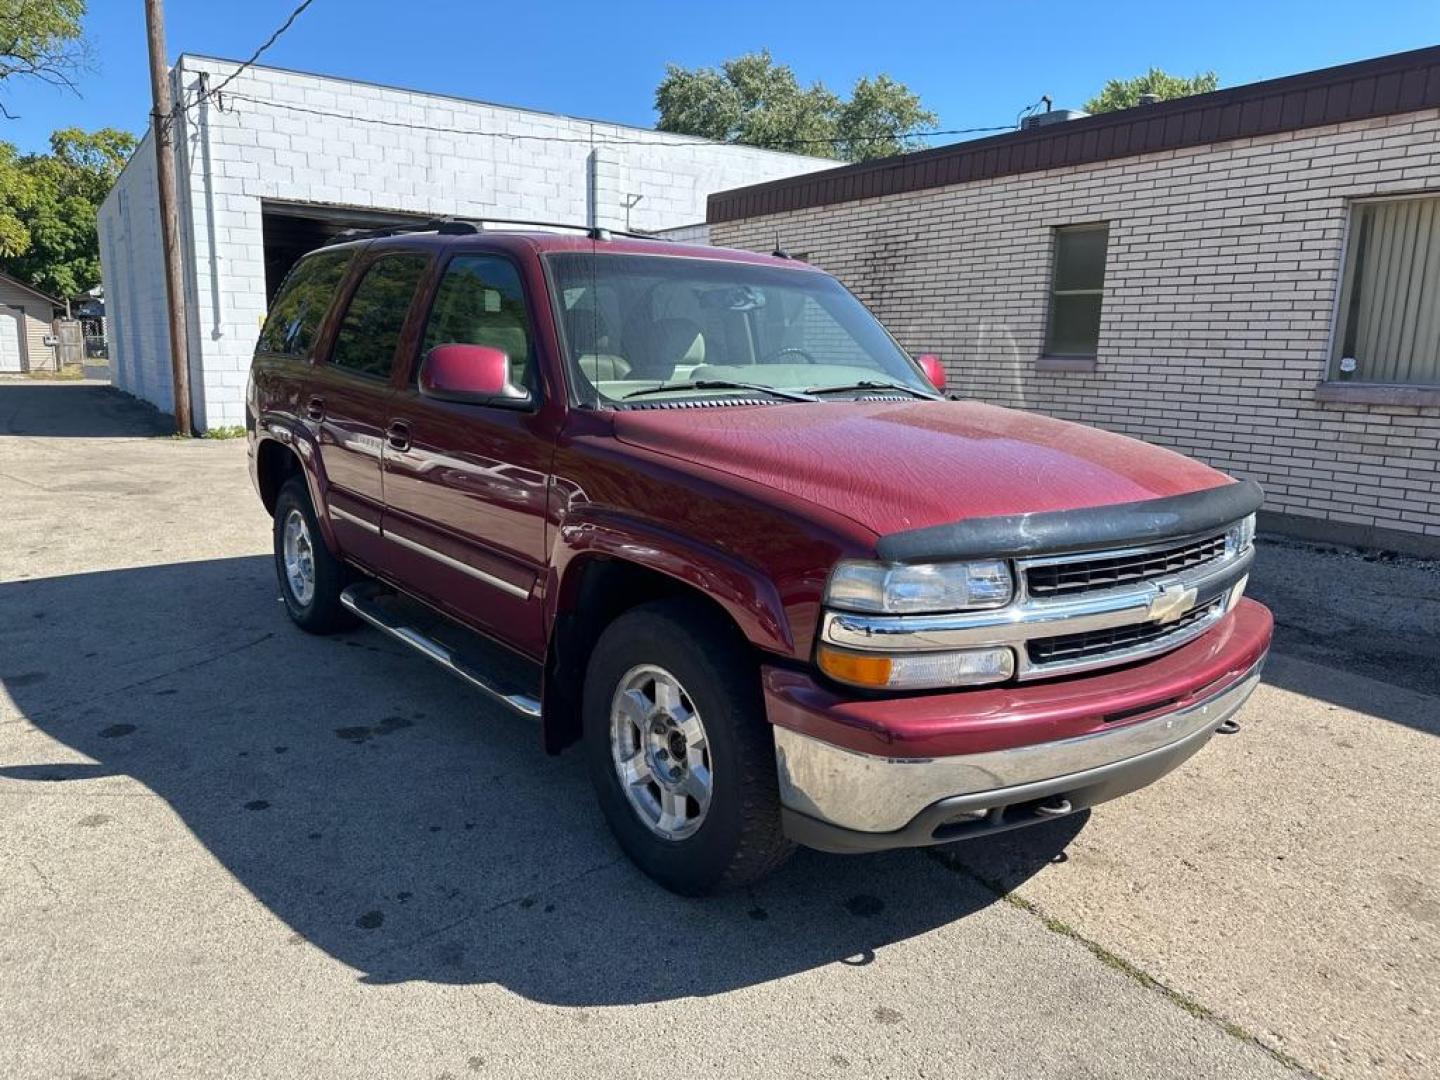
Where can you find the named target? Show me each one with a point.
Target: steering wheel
(788, 350)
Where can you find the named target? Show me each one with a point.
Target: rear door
(348, 400)
(466, 485)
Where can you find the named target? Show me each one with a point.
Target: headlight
(917, 671)
(897, 589)
(1240, 536)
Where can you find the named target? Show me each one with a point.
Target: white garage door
(9, 340)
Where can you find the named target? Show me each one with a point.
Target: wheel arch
(281, 453)
(275, 462)
(601, 579)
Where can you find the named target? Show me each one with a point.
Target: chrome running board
(409, 622)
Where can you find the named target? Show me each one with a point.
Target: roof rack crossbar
(456, 226)
(595, 232)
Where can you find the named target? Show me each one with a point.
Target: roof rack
(455, 226)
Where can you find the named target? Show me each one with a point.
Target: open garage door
(292, 229)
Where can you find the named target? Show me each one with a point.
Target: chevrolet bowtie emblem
(1170, 603)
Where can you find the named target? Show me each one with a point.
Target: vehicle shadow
(77, 410)
(391, 819)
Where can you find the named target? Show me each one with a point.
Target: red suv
(697, 510)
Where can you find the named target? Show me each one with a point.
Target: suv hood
(893, 465)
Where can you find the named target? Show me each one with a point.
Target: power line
(382, 121)
(279, 31)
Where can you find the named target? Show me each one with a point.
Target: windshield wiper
(872, 384)
(721, 384)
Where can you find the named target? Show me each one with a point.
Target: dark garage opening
(292, 229)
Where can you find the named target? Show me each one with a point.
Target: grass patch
(231, 431)
(1120, 964)
(63, 373)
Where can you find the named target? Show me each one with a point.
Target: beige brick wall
(1220, 286)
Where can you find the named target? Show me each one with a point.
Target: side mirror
(474, 374)
(933, 369)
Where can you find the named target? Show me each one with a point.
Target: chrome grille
(1106, 570)
(1117, 639)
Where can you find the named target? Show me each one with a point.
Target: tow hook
(1228, 727)
(1054, 808)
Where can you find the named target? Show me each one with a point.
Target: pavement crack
(21, 480)
(44, 880)
(1125, 967)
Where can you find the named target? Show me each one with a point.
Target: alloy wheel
(298, 553)
(660, 752)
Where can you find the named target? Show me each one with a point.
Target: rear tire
(673, 701)
(311, 577)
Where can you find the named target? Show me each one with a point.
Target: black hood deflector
(1120, 525)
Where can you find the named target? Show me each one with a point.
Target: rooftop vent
(1051, 116)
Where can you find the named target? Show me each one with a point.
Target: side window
(1076, 291)
(300, 306)
(370, 331)
(480, 301)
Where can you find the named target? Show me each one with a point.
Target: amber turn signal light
(858, 669)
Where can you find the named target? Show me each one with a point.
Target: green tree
(15, 199)
(878, 119)
(41, 39)
(48, 207)
(755, 101)
(1126, 93)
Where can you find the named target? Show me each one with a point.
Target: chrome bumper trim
(1028, 619)
(876, 794)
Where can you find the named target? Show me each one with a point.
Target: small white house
(278, 162)
(27, 326)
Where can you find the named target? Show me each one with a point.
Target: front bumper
(839, 797)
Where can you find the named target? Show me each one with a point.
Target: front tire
(682, 759)
(311, 578)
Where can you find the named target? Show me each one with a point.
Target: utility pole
(162, 123)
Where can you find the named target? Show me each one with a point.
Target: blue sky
(976, 64)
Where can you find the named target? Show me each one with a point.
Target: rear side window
(370, 331)
(480, 301)
(298, 310)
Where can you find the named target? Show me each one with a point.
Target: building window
(1389, 329)
(1077, 285)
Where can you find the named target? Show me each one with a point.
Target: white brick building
(1196, 273)
(280, 161)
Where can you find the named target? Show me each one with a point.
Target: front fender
(746, 594)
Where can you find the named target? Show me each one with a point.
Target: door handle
(398, 435)
(315, 408)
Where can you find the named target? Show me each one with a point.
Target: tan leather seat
(603, 367)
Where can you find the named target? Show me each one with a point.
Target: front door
(349, 399)
(466, 485)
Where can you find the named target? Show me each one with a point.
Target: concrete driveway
(232, 850)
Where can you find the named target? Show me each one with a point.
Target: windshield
(634, 324)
